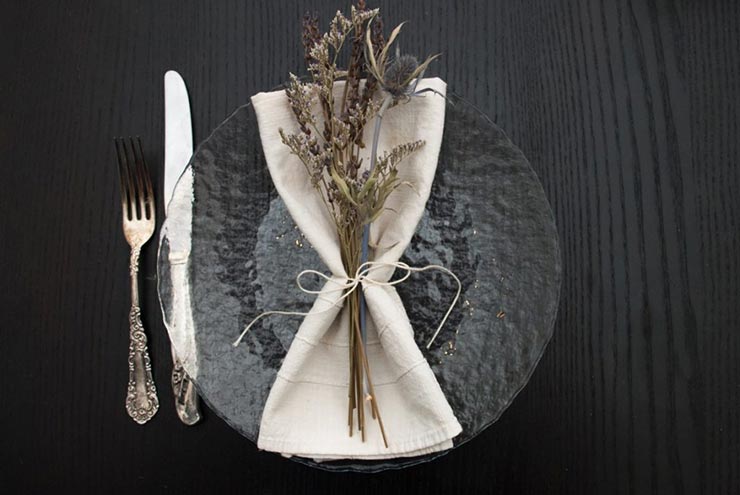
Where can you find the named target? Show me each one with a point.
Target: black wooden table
(628, 112)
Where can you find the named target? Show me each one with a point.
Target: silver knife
(178, 148)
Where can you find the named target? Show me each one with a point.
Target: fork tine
(149, 189)
(137, 193)
(136, 179)
(147, 193)
(123, 177)
(131, 176)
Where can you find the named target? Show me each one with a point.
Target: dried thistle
(399, 73)
(400, 76)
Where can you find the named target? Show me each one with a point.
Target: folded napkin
(306, 411)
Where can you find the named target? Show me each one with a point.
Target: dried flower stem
(366, 229)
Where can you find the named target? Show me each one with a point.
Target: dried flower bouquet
(329, 144)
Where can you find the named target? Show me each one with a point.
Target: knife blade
(178, 132)
(178, 145)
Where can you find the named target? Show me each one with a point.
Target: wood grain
(628, 112)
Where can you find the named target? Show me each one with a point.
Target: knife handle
(186, 398)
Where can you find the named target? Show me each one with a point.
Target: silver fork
(137, 201)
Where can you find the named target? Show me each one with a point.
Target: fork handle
(186, 397)
(141, 399)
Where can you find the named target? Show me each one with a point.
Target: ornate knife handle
(141, 399)
(186, 397)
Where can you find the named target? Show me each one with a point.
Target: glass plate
(487, 220)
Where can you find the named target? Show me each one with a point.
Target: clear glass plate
(487, 220)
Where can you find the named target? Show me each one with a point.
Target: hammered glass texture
(487, 220)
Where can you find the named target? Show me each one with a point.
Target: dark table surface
(628, 112)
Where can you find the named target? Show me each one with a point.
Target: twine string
(348, 286)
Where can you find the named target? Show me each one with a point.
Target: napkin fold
(306, 411)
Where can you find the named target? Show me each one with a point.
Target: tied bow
(349, 285)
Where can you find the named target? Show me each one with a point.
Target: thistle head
(398, 76)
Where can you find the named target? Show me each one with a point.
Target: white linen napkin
(306, 411)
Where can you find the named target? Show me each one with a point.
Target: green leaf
(369, 184)
(375, 215)
(370, 52)
(423, 67)
(342, 185)
(391, 39)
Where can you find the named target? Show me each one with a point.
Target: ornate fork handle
(141, 399)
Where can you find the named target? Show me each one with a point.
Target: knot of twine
(349, 285)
